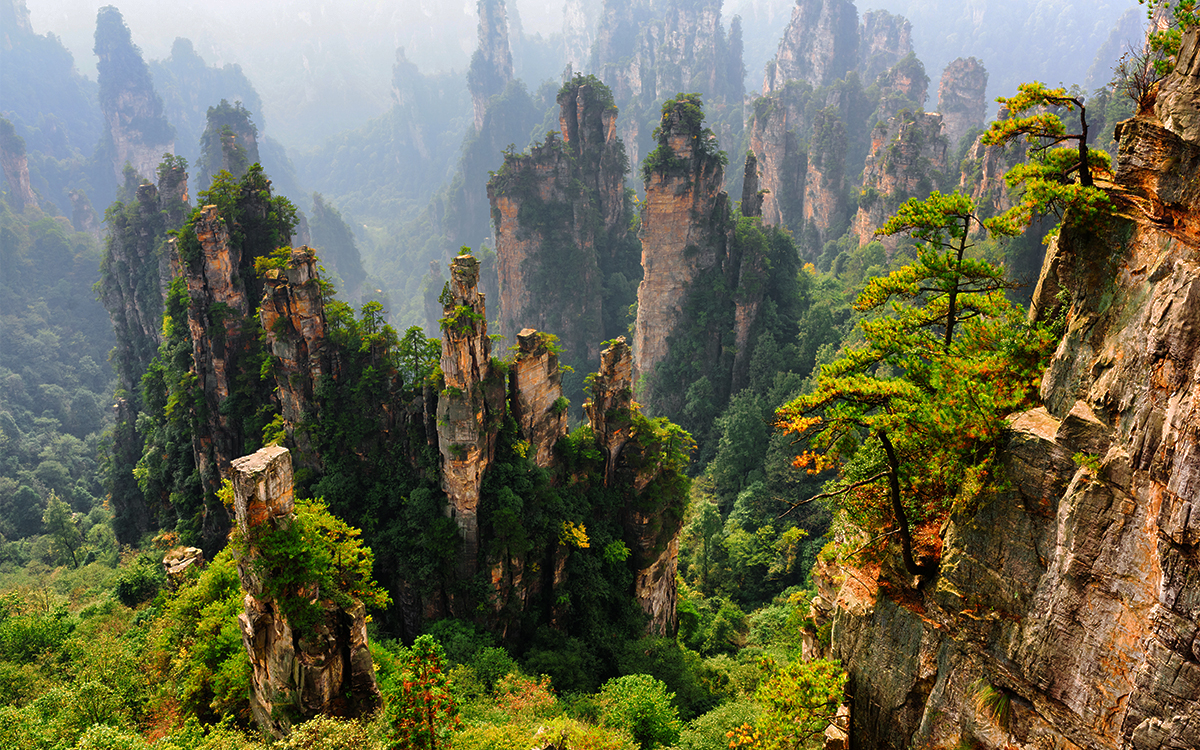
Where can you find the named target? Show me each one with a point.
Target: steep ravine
(1072, 593)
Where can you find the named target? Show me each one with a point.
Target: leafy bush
(640, 705)
(140, 581)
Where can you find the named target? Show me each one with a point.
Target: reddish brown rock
(538, 404)
(15, 164)
(324, 670)
(906, 153)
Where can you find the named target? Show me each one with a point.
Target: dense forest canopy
(592, 342)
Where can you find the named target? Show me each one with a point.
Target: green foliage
(640, 705)
(1166, 42)
(140, 581)
(683, 115)
(993, 702)
(1054, 179)
(315, 550)
(419, 709)
(798, 700)
(913, 416)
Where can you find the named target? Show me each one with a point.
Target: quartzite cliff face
(324, 670)
(1074, 592)
(907, 152)
(684, 233)
(560, 212)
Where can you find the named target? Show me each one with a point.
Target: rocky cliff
(819, 46)
(1065, 610)
(15, 164)
(907, 152)
(296, 672)
(560, 212)
(961, 98)
(649, 51)
(471, 399)
(537, 399)
(137, 131)
(491, 65)
(884, 39)
(683, 232)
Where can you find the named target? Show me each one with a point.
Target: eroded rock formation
(292, 313)
(15, 164)
(884, 39)
(906, 153)
(819, 46)
(491, 65)
(1071, 594)
(538, 404)
(471, 394)
(560, 213)
(683, 233)
(962, 100)
(295, 674)
(133, 112)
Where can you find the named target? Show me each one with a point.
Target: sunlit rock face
(962, 100)
(683, 233)
(295, 675)
(905, 153)
(884, 39)
(537, 403)
(471, 392)
(1073, 591)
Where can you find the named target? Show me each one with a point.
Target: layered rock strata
(684, 233)
(611, 399)
(962, 100)
(884, 39)
(471, 394)
(537, 399)
(1072, 595)
(906, 154)
(819, 46)
(295, 675)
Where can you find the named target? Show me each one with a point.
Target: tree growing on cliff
(1055, 179)
(911, 418)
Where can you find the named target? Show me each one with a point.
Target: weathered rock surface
(819, 46)
(1178, 102)
(491, 65)
(683, 233)
(1075, 591)
(292, 313)
(560, 217)
(537, 390)
(611, 399)
(962, 100)
(905, 153)
(884, 39)
(471, 393)
(133, 111)
(294, 675)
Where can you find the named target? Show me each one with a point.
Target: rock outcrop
(560, 213)
(292, 313)
(1070, 596)
(907, 152)
(537, 400)
(296, 673)
(473, 395)
(650, 531)
(15, 164)
(884, 39)
(684, 233)
(491, 65)
(649, 50)
(819, 46)
(962, 100)
(133, 112)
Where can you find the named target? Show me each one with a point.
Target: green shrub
(640, 705)
(140, 581)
